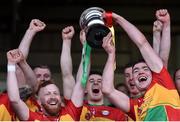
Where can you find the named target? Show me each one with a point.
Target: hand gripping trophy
(95, 26)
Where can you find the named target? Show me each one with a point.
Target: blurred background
(15, 16)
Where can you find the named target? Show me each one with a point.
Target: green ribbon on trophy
(85, 62)
(87, 48)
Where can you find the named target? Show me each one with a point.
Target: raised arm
(151, 58)
(78, 91)
(108, 77)
(20, 108)
(66, 62)
(34, 27)
(157, 29)
(165, 44)
(29, 75)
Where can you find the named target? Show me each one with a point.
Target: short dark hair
(130, 64)
(95, 72)
(42, 66)
(44, 84)
(138, 61)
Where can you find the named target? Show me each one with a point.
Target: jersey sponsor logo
(105, 112)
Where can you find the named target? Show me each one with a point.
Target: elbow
(106, 90)
(14, 100)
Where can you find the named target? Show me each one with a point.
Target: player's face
(50, 99)
(129, 81)
(142, 75)
(177, 80)
(42, 74)
(93, 88)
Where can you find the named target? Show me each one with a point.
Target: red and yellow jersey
(161, 101)
(101, 113)
(6, 112)
(33, 104)
(68, 113)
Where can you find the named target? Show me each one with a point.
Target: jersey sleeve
(34, 116)
(131, 113)
(120, 116)
(163, 78)
(72, 110)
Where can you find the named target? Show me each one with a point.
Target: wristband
(11, 68)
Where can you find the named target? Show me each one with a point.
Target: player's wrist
(11, 67)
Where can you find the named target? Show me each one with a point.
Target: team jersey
(33, 104)
(161, 101)
(101, 113)
(67, 113)
(6, 111)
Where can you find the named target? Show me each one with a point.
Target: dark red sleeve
(120, 116)
(72, 110)
(131, 113)
(4, 99)
(66, 101)
(35, 116)
(163, 78)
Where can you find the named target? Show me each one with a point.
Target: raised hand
(14, 56)
(163, 15)
(36, 25)
(157, 26)
(82, 36)
(68, 33)
(108, 44)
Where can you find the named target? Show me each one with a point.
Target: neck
(94, 102)
(140, 94)
(44, 111)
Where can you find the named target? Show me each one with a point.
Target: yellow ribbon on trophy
(109, 23)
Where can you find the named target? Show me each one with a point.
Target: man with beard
(25, 75)
(93, 108)
(48, 97)
(160, 100)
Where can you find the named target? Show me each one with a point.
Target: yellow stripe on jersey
(4, 114)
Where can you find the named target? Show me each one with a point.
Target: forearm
(135, 35)
(66, 60)
(156, 41)
(66, 70)
(12, 86)
(165, 43)
(29, 75)
(26, 42)
(78, 91)
(18, 105)
(108, 75)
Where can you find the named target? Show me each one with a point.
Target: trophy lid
(90, 14)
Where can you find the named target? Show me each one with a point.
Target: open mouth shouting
(52, 101)
(142, 79)
(96, 91)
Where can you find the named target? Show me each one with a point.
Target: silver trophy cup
(92, 22)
